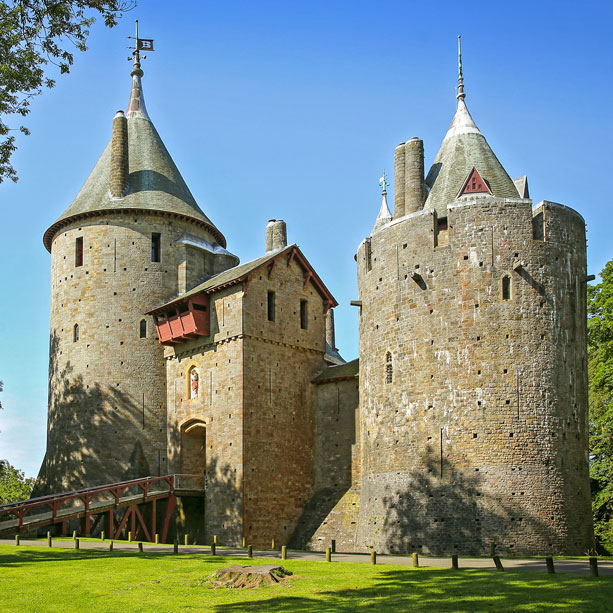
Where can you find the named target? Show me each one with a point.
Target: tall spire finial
(461, 95)
(383, 182)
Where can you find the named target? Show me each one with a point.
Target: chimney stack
(330, 336)
(276, 235)
(119, 156)
(409, 187)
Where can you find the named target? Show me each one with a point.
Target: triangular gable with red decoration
(474, 184)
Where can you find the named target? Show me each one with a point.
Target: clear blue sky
(291, 110)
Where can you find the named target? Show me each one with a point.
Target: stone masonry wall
(279, 427)
(107, 390)
(219, 406)
(473, 407)
(332, 512)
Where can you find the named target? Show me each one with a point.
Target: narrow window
(389, 368)
(155, 247)
(271, 306)
(143, 328)
(75, 333)
(304, 314)
(506, 287)
(78, 251)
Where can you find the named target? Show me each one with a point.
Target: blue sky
(291, 110)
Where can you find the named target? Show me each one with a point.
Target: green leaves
(600, 369)
(13, 485)
(34, 33)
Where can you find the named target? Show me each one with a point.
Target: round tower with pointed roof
(133, 238)
(473, 380)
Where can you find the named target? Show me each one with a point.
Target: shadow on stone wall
(92, 433)
(454, 514)
(314, 514)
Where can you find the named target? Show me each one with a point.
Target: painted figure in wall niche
(193, 383)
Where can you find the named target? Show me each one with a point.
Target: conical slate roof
(155, 183)
(463, 148)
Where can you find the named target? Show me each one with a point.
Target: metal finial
(383, 182)
(145, 44)
(461, 95)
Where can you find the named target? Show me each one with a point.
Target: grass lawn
(42, 579)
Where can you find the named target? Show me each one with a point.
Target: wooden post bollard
(373, 557)
(454, 561)
(157, 538)
(273, 544)
(49, 540)
(498, 563)
(76, 543)
(186, 539)
(140, 547)
(244, 542)
(594, 567)
(328, 555)
(284, 552)
(492, 550)
(213, 546)
(102, 535)
(415, 560)
(129, 537)
(110, 545)
(333, 546)
(175, 546)
(17, 540)
(215, 539)
(550, 568)
(250, 551)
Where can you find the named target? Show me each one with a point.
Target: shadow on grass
(461, 591)
(29, 555)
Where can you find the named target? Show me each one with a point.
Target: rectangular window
(271, 306)
(78, 252)
(304, 314)
(156, 250)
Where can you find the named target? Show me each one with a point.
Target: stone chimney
(276, 235)
(409, 187)
(118, 181)
(330, 336)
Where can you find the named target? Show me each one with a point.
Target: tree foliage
(34, 33)
(13, 484)
(600, 355)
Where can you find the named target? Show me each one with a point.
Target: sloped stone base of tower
(331, 515)
(466, 511)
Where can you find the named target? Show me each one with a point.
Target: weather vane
(141, 44)
(383, 182)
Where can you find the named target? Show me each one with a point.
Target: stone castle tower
(473, 380)
(133, 236)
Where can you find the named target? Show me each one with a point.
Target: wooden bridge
(134, 506)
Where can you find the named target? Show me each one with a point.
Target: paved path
(580, 567)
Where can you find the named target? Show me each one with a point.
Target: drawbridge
(135, 506)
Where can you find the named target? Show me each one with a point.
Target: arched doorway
(193, 447)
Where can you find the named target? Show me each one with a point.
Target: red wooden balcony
(186, 320)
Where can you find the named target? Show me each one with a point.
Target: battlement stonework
(473, 394)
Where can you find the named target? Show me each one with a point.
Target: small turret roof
(155, 183)
(384, 215)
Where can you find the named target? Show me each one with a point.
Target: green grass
(41, 579)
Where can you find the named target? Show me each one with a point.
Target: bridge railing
(194, 483)
(53, 503)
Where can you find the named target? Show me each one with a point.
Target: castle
(463, 423)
